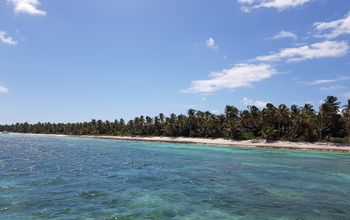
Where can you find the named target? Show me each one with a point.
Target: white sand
(319, 146)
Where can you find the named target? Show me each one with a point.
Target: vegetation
(330, 123)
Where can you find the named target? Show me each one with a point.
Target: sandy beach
(318, 146)
(287, 145)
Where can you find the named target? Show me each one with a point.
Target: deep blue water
(45, 177)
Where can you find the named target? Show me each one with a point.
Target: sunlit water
(44, 177)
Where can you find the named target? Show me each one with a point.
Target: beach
(317, 146)
(286, 145)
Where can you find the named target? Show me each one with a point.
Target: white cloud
(214, 111)
(210, 43)
(7, 39)
(326, 81)
(27, 7)
(257, 103)
(284, 34)
(332, 88)
(3, 89)
(333, 28)
(240, 75)
(313, 51)
(190, 106)
(248, 5)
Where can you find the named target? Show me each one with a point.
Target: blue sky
(69, 61)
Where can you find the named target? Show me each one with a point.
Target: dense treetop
(330, 123)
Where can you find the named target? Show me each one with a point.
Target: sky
(72, 61)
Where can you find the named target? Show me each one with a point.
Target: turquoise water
(73, 178)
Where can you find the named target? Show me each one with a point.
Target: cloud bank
(307, 52)
(3, 89)
(240, 75)
(27, 7)
(249, 5)
(326, 81)
(210, 43)
(333, 29)
(284, 34)
(4, 38)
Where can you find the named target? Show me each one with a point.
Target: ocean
(52, 177)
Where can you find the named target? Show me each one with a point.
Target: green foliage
(338, 140)
(248, 136)
(331, 123)
(270, 134)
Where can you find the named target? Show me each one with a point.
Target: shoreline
(220, 142)
(286, 145)
(319, 146)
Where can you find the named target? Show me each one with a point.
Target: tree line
(330, 123)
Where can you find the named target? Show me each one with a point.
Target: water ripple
(44, 177)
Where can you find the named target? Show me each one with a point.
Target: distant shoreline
(318, 146)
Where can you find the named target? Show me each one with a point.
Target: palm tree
(246, 122)
(182, 125)
(192, 122)
(296, 124)
(256, 121)
(346, 114)
(270, 122)
(295, 116)
(330, 123)
(283, 120)
(309, 123)
(149, 130)
(232, 122)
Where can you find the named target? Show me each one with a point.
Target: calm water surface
(45, 177)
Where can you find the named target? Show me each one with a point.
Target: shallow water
(43, 177)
